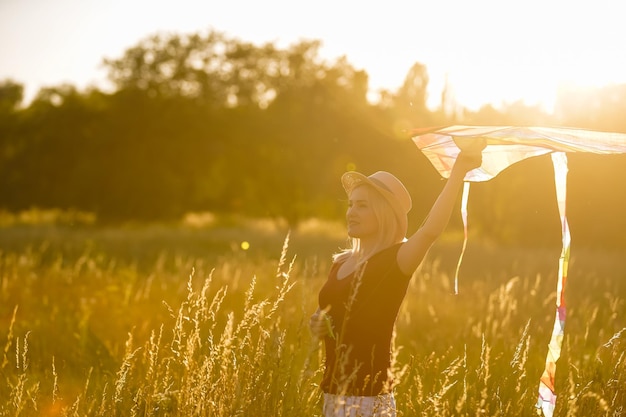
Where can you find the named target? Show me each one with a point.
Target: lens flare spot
(245, 245)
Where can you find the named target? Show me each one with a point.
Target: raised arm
(415, 248)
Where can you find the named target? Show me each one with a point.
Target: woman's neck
(365, 251)
(366, 247)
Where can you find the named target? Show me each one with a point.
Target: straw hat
(389, 187)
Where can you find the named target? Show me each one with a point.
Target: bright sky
(491, 51)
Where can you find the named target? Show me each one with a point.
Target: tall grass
(171, 333)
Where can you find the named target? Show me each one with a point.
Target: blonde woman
(360, 300)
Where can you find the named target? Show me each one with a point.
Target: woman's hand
(320, 324)
(468, 160)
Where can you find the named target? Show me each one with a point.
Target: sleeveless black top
(363, 309)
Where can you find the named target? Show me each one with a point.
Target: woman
(359, 302)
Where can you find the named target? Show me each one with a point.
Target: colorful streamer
(547, 391)
(501, 147)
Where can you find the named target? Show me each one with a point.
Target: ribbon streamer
(466, 188)
(501, 147)
(547, 392)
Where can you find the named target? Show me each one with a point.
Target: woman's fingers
(320, 324)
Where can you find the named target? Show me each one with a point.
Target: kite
(502, 146)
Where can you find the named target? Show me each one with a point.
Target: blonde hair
(388, 232)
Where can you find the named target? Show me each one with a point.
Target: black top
(363, 313)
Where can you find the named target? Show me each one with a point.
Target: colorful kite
(501, 147)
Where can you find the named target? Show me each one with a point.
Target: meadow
(210, 318)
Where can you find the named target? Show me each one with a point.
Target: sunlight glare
(490, 51)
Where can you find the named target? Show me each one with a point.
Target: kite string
(547, 392)
(465, 197)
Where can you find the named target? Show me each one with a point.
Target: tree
(410, 101)
(213, 69)
(11, 96)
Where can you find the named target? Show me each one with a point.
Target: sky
(488, 51)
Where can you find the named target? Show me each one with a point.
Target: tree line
(208, 122)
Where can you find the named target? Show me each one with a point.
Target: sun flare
(484, 52)
(482, 56)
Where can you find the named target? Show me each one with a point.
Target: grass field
(211, 320)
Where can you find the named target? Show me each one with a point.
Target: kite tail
(547, 392)
(466, 188)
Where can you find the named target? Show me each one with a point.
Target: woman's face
(361, 219)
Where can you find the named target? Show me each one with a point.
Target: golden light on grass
(231, 338)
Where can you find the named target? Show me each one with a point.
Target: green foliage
(205, 122)
(183, 322)
(11, 96)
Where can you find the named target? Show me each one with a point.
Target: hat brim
(352, 179)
